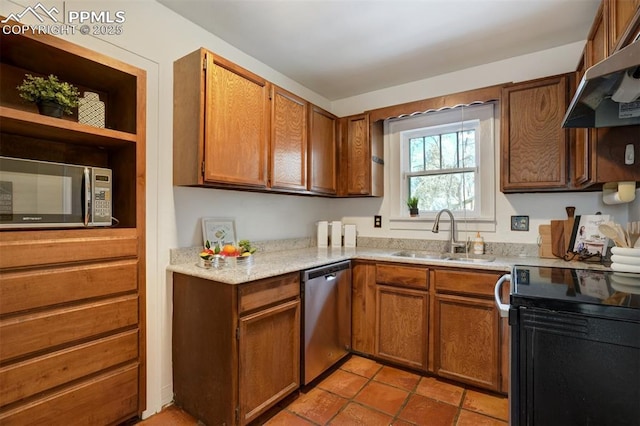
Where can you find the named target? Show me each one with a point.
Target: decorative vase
(91, 110)
(50, 108)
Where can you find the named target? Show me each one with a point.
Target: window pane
(449, 151)
(468, 149)
(416, 154)
(454, 191)
(432, 153)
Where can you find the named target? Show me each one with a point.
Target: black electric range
(597, 292)
(575, 347)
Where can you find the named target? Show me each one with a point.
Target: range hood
(609, 92)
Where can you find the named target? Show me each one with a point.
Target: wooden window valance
(485, 94)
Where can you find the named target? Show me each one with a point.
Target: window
(446, 159)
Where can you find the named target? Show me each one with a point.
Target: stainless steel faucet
(452, 240)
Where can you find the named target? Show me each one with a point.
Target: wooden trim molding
(476, 95)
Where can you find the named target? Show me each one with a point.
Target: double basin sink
(458, 257)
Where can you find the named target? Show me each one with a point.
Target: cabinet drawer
(22, 290)
(27, 378)
(407, 276)
(108, 399)
(38, 331)
(267, 292)
(476, 282)
(19, 249)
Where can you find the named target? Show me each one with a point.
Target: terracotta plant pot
(50, 109)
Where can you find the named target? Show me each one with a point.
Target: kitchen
(174, 213)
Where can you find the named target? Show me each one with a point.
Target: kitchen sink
(470, 258)
(459, 257)
(420, 255)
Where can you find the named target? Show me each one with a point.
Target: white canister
(336, 233)
(323, 233)
(91, 110)
(349, 235)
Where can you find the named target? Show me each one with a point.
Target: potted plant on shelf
(52, 96)
(412, 203)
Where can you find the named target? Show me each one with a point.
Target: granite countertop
(270, 264)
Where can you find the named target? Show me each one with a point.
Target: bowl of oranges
(242, 254)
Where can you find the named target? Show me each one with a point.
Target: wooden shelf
(28, 124)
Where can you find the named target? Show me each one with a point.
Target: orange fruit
(229, 250)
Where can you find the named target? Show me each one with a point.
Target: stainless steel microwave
(40, 194)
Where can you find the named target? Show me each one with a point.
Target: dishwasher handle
(502, 307)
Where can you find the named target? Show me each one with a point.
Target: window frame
(439, 130)
(486, 140)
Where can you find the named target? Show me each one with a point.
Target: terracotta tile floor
(364, 392)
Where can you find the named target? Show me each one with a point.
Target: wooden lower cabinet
(269, 353)
(236, 348)
(71, 333)
(467, 340)
(470, 338)
(436, 320)
(401, 326)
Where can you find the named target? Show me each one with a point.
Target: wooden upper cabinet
(361, 164)
(533, 142)
(288, 162)
(220, 123)
(582, 144)
(322, 151)
(236, 124)
(621, 14)
(597, 47)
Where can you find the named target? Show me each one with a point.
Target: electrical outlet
(629, 157)
(377, 221)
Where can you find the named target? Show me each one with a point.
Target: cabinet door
(534, 144)
(597, 42)
(236, 125)
(363, 302)
(621, 13)
(323, 152)
(401, 326)
(269, 358)
(357, 163)
(467, 340)
(288, 141)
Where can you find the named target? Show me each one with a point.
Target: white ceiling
(342, 48)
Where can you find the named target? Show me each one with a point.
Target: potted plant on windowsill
(412, 203)
(52, 96)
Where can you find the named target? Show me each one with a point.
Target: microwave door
(34, 193)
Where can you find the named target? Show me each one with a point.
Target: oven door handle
(502, 307)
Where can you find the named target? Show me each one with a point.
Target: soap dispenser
(478, 244)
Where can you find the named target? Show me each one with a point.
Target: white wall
(153, 38)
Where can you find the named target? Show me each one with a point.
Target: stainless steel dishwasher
(326, 316)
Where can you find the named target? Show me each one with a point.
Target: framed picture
(219, 230)
(586, 238)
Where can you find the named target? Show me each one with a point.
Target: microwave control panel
(101, 197)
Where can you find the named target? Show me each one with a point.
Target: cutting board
(558, 246)
(544, 249)
(561, 231)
